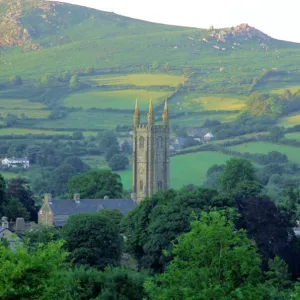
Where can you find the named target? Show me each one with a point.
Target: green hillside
(66, 69)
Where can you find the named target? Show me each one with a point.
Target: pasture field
(19, 103)
(25, 131)
(95, 161)
(199, 103)
(89, 120)
(290, 121)
(293, 136)
(185, 169)
(9, 175)
(198, 120)
(142, 80)
(264, 147)
(121, 99)
(30, 113)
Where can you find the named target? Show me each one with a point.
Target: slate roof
(2, 229)
(71, 207)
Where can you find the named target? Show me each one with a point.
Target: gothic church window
(141, 185)
(142, 142)
(160, 185)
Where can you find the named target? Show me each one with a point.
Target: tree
(77, 135)
(236, 171)
(213, 261)
(3, 198)
(276, 133)
(11, 120)
(93, 240)
(18, 188)
(77, 164)
(74, 83)
(112, 283)
(126, 148)
(15, 209)
(118, 162)
(16, 80)
(33, 274)
(271, 230)
(107, 139)
(156, 222)
(41, 235)
(59, 179)
(96, 184)
(111, 152)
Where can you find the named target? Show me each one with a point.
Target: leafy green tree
(74, 83)
(34, 274)
(78, 135)
(59, 179)
(112, 283)
(11, 120)
(126, 148)
(15, 209)
(3, 198)
(276, 133)
(113, 214)
(118, 162)
(48, 80)
(156, 222)
(16, 80)
(107, 139)
(41, 235)
(236, 171)
(77, 164)
(93, 240)
(96, 184)
(111, 152)
(212, 261)
(19, 188)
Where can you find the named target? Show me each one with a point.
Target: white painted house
(209, 136)
(16, 162)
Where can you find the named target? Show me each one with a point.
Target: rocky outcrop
(243, 30)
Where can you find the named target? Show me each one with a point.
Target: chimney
(76, 197)
(105, 197)
(48, 198)
(20, 225)
(4, 222)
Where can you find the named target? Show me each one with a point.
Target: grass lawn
(198, 120)
(263, 147)
(19, 103)
(185, 169)
(290, 121)
(9, 175)
(30, 113)
(280, 91)
(122, 99)
(24, 131)
(95, 161)
(89, 120)
(293, 136)
(137, 79)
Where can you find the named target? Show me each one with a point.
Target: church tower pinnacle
(150, 113)
(136, 116)
(165, 116)
(150, 163)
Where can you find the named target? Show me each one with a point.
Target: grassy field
(9, 175)
(293, 136)
(142, 80)
(263, 147)
(185, 169)
(123, 99)
(89, 120)
(290, 121)
(95, 161)
(194, 102)
(29, 113)
(19, 103)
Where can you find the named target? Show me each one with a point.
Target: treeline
(168, 247)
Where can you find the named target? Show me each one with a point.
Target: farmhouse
(209, 136)
(16, 162)
(56, 212)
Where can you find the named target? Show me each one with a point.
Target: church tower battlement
(151, 163)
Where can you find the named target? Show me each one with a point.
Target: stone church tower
(151, 164)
